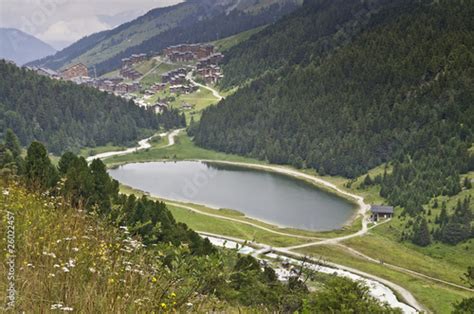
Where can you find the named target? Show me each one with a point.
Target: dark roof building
(381, 211)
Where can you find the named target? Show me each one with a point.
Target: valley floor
(432, 277)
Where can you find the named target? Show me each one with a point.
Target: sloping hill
(191, 21)
(306, 34)
(400, 90)
(65, 115)
(20, 47)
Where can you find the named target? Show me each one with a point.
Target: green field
(438, 298)
(226, 43)
(184, 149)
(155, 75)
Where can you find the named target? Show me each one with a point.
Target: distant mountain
(21, 47)
(190, 21)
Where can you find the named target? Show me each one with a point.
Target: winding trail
(263, 249)
(216, 94)
(143, 144)
(403, 270)
(150, 71)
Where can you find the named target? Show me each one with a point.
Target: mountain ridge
(146, 33)
(21, 47)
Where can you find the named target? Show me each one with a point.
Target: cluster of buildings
(133, 59)
(177, 76)
(208, 68)
(188, 52)
(127, 71)
(159, 107)
(116, 86)
(79, 74)
(130, 73)
(177, 81)
(155, 88)
(183, 88)
(76, 72)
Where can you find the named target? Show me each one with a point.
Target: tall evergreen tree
(12, 143)
(65, 162)
(39, 171)
(79, 184)
(104, 187)
(421, 232)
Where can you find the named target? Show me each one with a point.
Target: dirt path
(401, 269)
(408, 298)
(214, 92)
(143, 144)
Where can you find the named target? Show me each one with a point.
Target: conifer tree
(40, 173)
(65, 162)
(12, 143)
(421, 233)
(467, 183)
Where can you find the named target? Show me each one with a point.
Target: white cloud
(72, 30)
(67, 20)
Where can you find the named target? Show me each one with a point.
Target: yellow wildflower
(163, 306)
(154, 279)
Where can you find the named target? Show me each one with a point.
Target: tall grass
(69, 260)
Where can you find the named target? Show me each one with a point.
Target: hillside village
(152, 87)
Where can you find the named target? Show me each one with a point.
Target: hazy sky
(64, 21)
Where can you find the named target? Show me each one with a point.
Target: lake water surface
(267, 196)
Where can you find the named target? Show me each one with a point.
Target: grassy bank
(436, 297)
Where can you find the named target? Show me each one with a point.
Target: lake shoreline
(314, 183)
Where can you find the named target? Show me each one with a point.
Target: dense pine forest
(396, 88)
(306, 35)
(172, 264)
(66, 116)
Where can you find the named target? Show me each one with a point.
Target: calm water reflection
(271, 197)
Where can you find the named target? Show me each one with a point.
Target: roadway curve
(216, 94)
(263, 248)
(143, 144)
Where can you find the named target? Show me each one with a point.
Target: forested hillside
(399, 91)
(306, 35)
(191, 21)
(66, 116)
